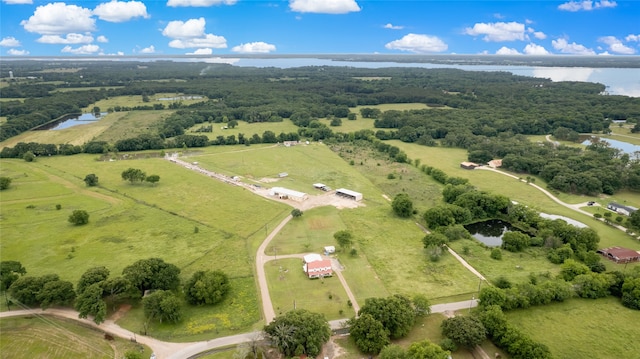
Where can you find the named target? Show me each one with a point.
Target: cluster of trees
(382, 319)
(134, 175)
(5, 182)
(299, 332)
(155, 281)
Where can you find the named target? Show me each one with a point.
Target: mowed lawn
(50, 337)
(247, 129)
(132, 123)
(290, 288)
(583, 328)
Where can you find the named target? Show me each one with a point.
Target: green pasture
(97, 88)
(136, 100)
(50, 337)
(349, 126)
(289, 287)
(448, 160)
(248, 129)
(239, 312)
(582, 328)
(132, 123)
(309, 233)
(392, 106)
(304, 164)
(514, 266)
(393, 248)
(75, 135)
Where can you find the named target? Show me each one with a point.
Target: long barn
(343, 192)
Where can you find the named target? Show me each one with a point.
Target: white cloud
(9, 41)
(17, 2)
(565, 47)
(539, 35)
(615, 45)
(534, 49)
(120, 11)
(82, 50)
(632, 37)
(199, 3)
(186, 29)
(498, 16)
(15, 52)
(209, 40)
(148, 50)
(507, 51)
(205, 51)
(102, 38)
(498, 31)
(606, 53)
(59, 18)
(393, 27)
(254, 48)
(324, 6)
(528, 22)
(191, 34)
(586, 5)
(418, 43)
(69, 39)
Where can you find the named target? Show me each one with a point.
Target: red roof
(621, 254)
(319, 268)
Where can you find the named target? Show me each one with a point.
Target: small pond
(73, 120)
(625, 147)
(489, 232)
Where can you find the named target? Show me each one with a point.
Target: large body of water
(625, 147)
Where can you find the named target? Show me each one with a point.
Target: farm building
(495, 163)
(322, 186)
(343, 192)
(469, 165)
(284, 193)
(621, 209)
(316, 267)
(620, 254)
(329, 250)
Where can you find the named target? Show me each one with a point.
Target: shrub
(496, 254)
(79, 217)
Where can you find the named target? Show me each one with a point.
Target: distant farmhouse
(314, 266)
(620, 254)
(621, 209)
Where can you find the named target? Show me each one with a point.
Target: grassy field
(69, 89)
(289, 287)
(75, 135)
(49, 337)
(136, 100)
(133, 123)
(582, 328)
(248, 129)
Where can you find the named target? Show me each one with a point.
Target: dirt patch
(332, 349)
(318, 223)
(268, 180)
(122, 310)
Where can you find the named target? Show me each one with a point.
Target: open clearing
(583, 328)
(49, 337)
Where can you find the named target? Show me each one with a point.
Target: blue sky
(179, 27)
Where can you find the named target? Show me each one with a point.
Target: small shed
(285, 193)
(469, 165)
(329, 250)
(620, 254)
(347, 193)
(283, 174)
(321, 186)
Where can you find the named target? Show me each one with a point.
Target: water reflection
(489, 232)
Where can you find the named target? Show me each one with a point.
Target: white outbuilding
(343, 192)
(285, 193)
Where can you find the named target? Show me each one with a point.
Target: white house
(315, 266)
(618, 208)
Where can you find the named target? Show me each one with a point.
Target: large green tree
(90, 302)
(344, 238)
(396, 313)
(152, 273)
(92, 276)
(25, 290)
(91, 180)
(79, 217)
(426, 350)
(133, 175)
(631, 293)
(299, 332)
(369, 335)
(464, 330)
(5, 182)
(58, 292)
(163, 306)
(208, 287)
(402, 205)
(10, 271)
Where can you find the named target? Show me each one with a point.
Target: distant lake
(625, 147)
(618, 81)
(489, 232)
(71, 121)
